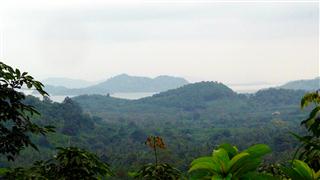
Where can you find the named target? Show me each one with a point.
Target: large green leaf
(207, 159)
(200, 174)
(203, 165)
(219, 177)
(245, 165)
(221, 158)
(258, 150)
(300, 170)
(220, 165)
(237, 159)
(303, 169)
(231, 150)
(290, 172)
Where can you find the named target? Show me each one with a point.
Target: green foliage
(16, 129)
(109, 126)
(192, 119)
(75, 163)
(74, 120)
(300, 170)
(274, 170)
(38, 171)
(310, 148)
(277, 97)
(70, 163)
(3, 171)
(227, 163)
(157, 172)
(312, 123)
(15, 115)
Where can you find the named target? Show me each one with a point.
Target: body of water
(251, 88)
(131, 96)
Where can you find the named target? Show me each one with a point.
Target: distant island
(122, 83)
(125, 83)
(307, 84)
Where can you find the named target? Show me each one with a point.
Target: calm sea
(130, 96)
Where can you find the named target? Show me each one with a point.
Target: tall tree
(15, 115)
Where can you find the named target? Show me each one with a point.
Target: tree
(75, 163)
(310, 147)
(155, 142)
(156, 171)
(15, 122)
(69, 164)
(16, 127)
(312, 123)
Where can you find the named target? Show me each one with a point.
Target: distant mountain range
(118, 84)
(307, 84)
(125, 83)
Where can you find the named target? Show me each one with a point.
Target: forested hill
(205, 101)
(194, 96)
(307, 84)
(188, 98)
(122, 83)
(191, 96)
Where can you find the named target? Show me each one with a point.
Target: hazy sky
(228, 42)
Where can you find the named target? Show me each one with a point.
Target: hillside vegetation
(192, 119)
(308, 84)
(126, 137)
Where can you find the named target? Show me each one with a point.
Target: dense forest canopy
(193, 120)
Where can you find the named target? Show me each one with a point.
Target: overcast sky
(227, 42)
